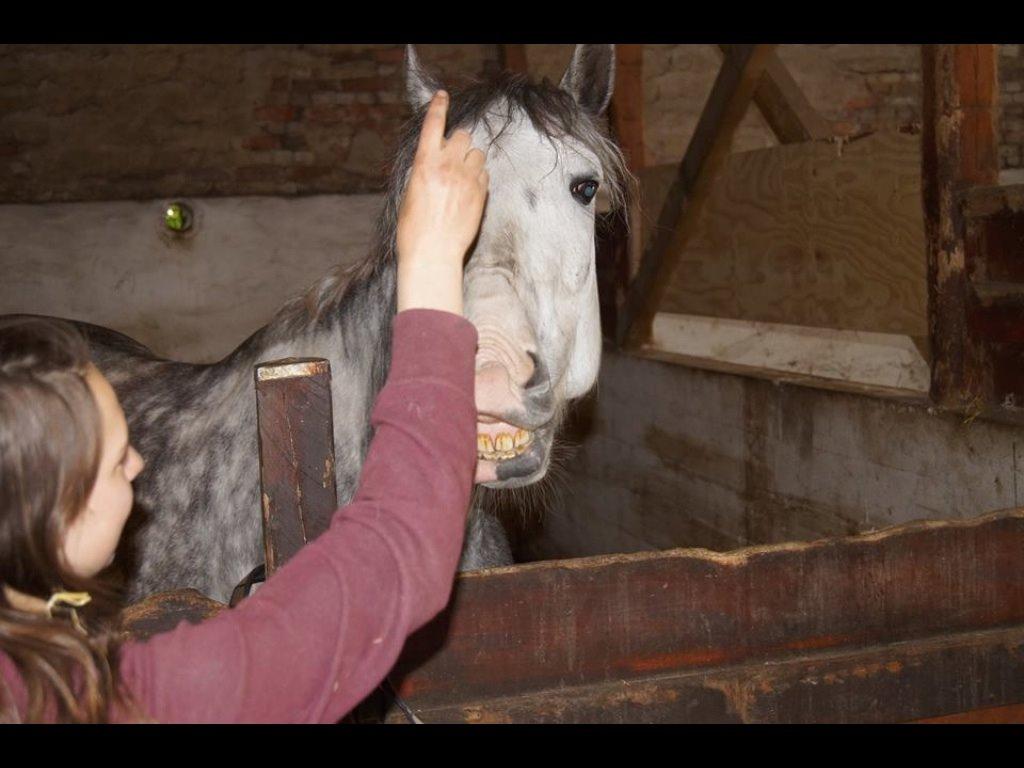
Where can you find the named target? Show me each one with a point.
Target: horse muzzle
(514, 426)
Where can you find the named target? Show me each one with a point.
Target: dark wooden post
(627, 107)
(296, 444)
(959, 151)
(618, 231)
(512, 57)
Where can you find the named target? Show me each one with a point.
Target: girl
(326, 629)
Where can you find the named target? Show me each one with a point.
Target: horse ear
(420, 87)
(590, 77)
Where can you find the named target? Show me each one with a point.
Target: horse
(529, 288)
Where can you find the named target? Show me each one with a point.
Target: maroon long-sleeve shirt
(314, 640)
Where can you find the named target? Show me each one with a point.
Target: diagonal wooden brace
(785, 107)
(730, 96)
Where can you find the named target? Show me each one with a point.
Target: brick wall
(1011, 94)
(95, 122)
(861, 87)
(115, 122)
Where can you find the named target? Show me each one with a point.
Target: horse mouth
(509, 456)
(501, 442)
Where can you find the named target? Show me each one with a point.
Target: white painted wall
(194, 299)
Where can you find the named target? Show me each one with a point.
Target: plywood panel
(808, 234)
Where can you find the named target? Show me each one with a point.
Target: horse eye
(584, 191)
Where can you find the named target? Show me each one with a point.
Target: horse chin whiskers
(521, 506)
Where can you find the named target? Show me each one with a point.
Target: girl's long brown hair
(50, 447)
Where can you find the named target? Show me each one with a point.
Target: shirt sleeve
(329, 625)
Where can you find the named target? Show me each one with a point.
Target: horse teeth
(503, 446)
(499, 455)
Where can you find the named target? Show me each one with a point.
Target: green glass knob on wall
(178, 217)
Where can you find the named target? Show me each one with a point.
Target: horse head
(530, 284)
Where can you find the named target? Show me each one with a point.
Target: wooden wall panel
(669, 456)
(808, 234)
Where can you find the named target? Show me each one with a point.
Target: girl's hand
(440, 215)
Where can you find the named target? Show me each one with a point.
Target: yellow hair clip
(70, 600)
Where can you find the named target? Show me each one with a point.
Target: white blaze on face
(531, 281)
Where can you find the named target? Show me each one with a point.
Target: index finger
(432, 133)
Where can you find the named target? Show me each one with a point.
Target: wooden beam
(512, 57)
(731, 94)
(785, 108)
(619, 232)
(705, 609)
(981, 672)
(959, 150)
(296, 447)
(1014, 713)
(627, 107)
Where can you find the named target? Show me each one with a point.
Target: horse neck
(345, 318)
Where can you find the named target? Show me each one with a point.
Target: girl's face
(91, 538)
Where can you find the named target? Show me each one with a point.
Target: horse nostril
(539, 375)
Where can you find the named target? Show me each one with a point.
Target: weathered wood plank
(629, 617)
(1012, 713)
(993, 244)
(712, 139)
(806, 234)
(777, 377)
(296, 444)
(959, 150)
(785, 107)
(978, 671)
(888, 361)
